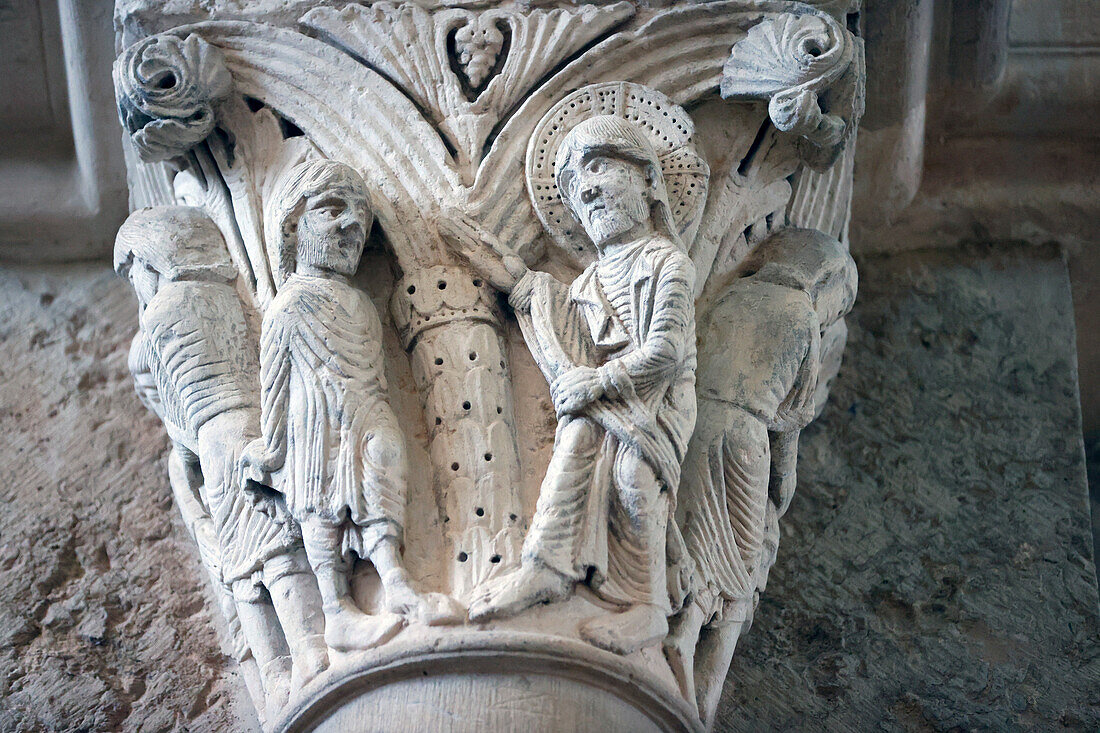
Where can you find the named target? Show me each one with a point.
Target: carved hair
(303, 182)
(179, 242)
(810, 261)
(617, 138)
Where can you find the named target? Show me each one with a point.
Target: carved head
(610, 179)
(170, 243)
(324, 216)
(810, 261)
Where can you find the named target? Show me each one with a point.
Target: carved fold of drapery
(460, 109)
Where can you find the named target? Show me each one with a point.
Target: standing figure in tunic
(331, 444)
(194, 364)
(617, 347)
(758, 375)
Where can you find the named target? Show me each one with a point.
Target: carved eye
(595, 165)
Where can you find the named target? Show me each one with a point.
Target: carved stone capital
(526, 493)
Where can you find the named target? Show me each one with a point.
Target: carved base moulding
(483, 336)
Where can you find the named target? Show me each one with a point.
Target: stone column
(524, 495)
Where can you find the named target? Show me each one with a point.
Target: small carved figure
(758, 372)
(194, 366)
(331, 444)
(618, 349)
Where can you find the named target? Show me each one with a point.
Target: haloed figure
(195, 366)
(331, 444)
(618, 349)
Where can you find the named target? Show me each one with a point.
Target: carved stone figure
(546, 153)
(758, 374)
(618, 349)
(331, 445)
(195, 368)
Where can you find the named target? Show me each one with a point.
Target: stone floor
(936, 571)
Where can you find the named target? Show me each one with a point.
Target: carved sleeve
(140, 363)
(666, 343)
(275, 389)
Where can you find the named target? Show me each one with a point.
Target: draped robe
(631, 312)
(325, 410)
(757, 373)
(197, 348)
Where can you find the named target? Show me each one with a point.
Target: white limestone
(550, 205)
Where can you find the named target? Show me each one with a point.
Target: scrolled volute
(791, 60)
(168, 88)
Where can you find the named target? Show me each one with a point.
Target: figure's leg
(346, 626)
(548, 569)
(679, 645)
(297, 603)
(433, 609)
(261, 630)
(784, 452)
(636, 562)
(712, 661)
(385, 481)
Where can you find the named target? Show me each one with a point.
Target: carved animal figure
(618, 348)
(194, 365)
(758, 373)
(331, 445)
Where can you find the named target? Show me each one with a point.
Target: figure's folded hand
(256, 464)
(575, 389)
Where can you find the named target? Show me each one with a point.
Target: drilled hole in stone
(500, 410)
(411, 289)
(477, 282)
(494, 559)
(463, 557)
(439, 361)
(466, 405)
(442, 284)
(473, 355)
(439, 421)
(488, 456)
(167, 81)
(512, 517)
(454, 466)
(479, 511)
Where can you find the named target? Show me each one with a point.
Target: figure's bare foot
(348, 628)
(437, 609)
(627, 632)
(518, 591)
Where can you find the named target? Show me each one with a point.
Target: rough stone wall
(935, 573)
(104, 624)
(936, 568)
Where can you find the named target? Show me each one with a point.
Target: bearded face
(609, 196)
(332, 231)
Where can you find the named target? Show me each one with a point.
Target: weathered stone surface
(104, 622)
(937, 571)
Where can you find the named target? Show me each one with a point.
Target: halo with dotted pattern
(669, 129)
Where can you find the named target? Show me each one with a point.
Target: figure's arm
(139, 361)
(268, 453)
(666, 343)
(491, 258)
